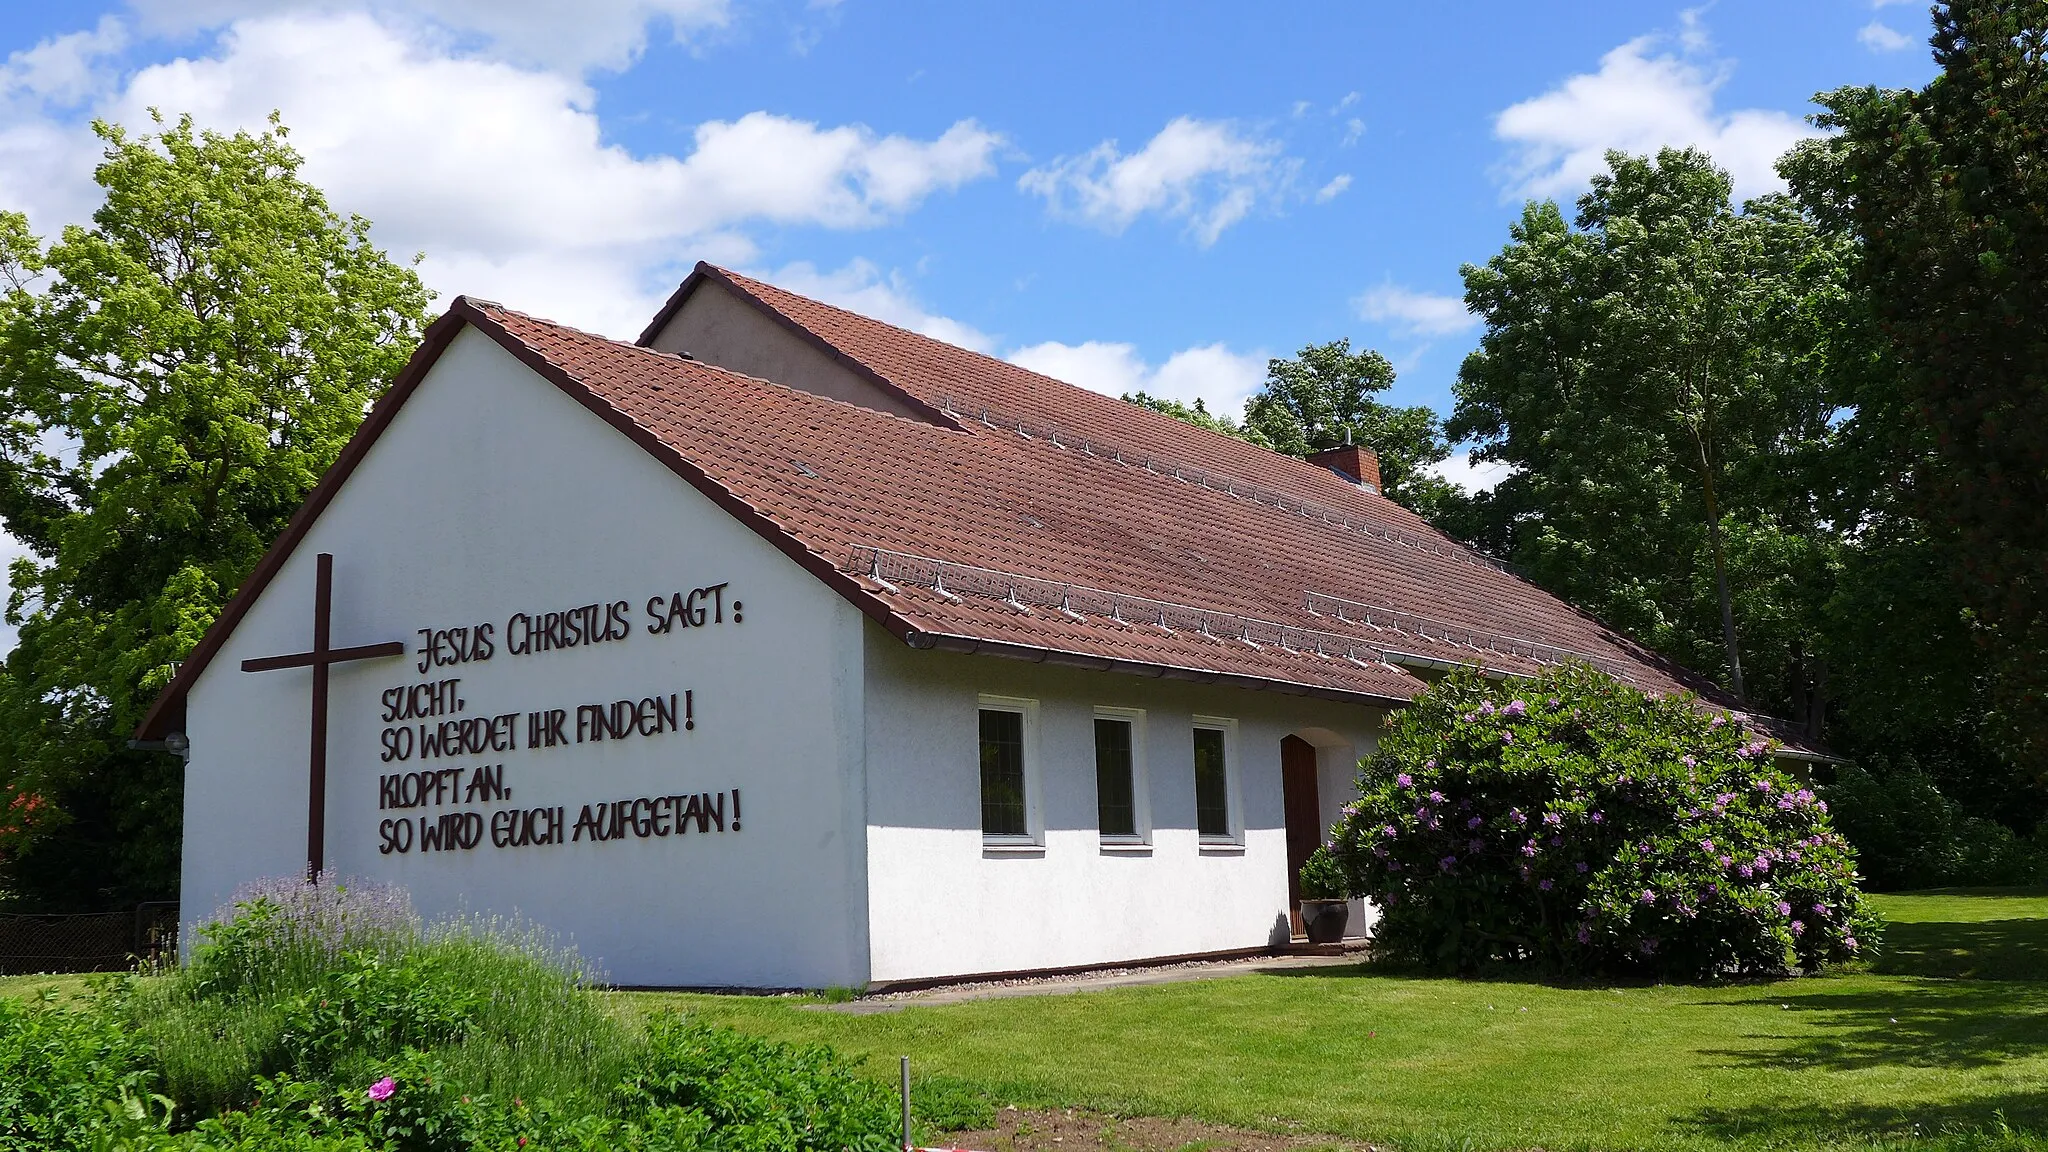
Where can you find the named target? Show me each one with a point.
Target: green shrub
(60, 1070)
(761, 1095)
(333, 1021)
(1322, 878)
(1587, 827)
(1908, 835)
(330, 985)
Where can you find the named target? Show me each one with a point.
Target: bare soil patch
(1074, 1130)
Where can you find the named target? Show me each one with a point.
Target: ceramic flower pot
(1324, 920)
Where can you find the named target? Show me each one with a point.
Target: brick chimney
(1361, 466)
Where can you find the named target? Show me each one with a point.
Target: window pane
(1115, 812)
(1002, 773)
(1212, 785)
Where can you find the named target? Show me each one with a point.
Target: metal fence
(92, 942)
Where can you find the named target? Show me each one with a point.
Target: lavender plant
(1586, 827)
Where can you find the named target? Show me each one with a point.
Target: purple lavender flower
(1798, 928)
(1583, 866)
(1553, 819)
(1598, 818)
(1544, 884)
(1718, 720)
(1486, 707)
(1515, 708)
(1475, 822)
(1447, 863)
(1585, 935)
(1529, 849)
(1475, 845)
(1436, 797)
(1649, 897)
(1784, 909)
(1707, 845)
(1403, 780)
(1507, 737)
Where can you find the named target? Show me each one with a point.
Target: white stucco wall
(944, 905)
(492, 493)
(719, 328)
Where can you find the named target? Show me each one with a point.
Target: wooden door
(1304, 810)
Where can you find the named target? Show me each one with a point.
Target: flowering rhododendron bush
(1586, 827)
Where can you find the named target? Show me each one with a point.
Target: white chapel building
(786, 648)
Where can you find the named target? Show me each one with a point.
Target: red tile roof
(1064, 525)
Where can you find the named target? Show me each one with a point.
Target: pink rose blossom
(382, 1089)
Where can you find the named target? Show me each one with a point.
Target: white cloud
(1333, 189)
(1461, 471)
(1354, 130)
(1211, 373)
(1413, 313)
(1881, 37)
(1205, 172)
(861, 287)
(502, 175)
(63, 70)
(573, 37)
(1643, 97)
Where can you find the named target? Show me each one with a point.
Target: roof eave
(970, 645)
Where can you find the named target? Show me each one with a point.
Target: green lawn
(1842, 1060)
(1949, 1032)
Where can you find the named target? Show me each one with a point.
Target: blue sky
(1125, 195)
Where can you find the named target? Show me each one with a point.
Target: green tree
(1325, 397)
(1653, 373)
(176, 376)
(1946, 195)
(1197, 414)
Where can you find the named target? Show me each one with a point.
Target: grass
(1885, 1058)
(1948, 1032)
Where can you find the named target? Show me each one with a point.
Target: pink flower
(382, 1089)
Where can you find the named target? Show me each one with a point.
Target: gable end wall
(493, 493)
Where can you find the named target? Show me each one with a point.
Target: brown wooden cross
(319, 660)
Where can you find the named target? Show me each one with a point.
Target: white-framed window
(1009, 771)
(1217, 818)
(1121, 811)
